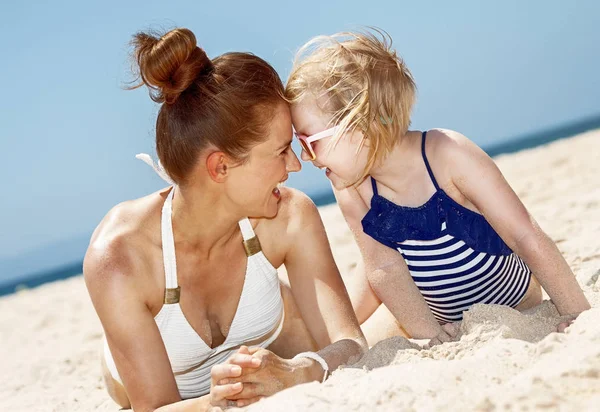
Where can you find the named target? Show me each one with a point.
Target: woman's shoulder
(295, 209)
(278, 234)
(121, 244)
(296, 212)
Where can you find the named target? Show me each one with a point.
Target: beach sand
(50, 342)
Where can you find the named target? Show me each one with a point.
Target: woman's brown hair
(226, 103)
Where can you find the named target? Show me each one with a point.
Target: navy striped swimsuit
(453, 254)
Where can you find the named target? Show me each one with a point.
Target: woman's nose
(294, 164)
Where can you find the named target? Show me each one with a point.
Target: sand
(505, 360)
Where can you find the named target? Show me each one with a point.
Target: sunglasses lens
(306, 147)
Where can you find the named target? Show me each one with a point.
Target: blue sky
(69, 132)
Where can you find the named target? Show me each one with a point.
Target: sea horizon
(63, 259)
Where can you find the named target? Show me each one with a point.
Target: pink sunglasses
(306, 141)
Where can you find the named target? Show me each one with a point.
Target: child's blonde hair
(366, 84)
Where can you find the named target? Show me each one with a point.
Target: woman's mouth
(277, 193)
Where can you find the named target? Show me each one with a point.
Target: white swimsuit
(257, 321)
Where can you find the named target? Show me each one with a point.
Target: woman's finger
(248, 376)
(220, 393)
(250, 391)
(244, 350)
(254, 349)
(245, 402)
(244, 360)
(228, 381)
(224, 371)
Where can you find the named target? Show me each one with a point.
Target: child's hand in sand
(448, 334)
(565, 323)
(452, 329)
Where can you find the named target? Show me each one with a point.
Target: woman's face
(254, 184)
(344, 162)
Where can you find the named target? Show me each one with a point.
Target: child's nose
(305, 156)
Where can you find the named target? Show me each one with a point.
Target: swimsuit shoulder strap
(431, 176)
(374, 185)
(251, 243)
(168, 247)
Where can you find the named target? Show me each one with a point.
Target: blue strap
(427, 162)
(374, 184)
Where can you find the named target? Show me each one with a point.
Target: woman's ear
(217, 165)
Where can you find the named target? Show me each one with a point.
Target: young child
(438, 226)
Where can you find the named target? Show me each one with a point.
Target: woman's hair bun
(170, 63)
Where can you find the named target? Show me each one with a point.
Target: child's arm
(478, 178)
(364, 300)
(388, 276)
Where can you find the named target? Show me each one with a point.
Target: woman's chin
(271, 210)
(274, 210)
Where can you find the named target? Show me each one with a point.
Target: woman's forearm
(342, 352)
(554, 274)
(201, 404)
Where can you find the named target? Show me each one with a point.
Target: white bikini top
(258, 319)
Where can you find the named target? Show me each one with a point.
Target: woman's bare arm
(318, 288)
(132, 334)
(322, 300)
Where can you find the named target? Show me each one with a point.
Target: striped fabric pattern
(452, 276)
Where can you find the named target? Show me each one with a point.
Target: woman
(179, 278)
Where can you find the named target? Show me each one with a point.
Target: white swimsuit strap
(246, 228)
(168, 242)
(166, 227)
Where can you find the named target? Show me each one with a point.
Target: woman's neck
(201, 218)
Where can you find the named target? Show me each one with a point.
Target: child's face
(344, 162)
